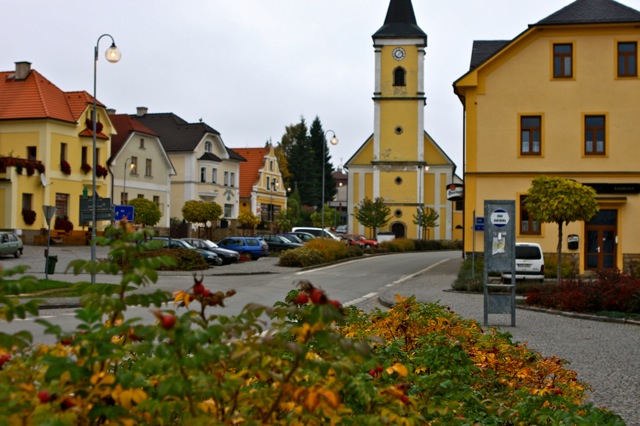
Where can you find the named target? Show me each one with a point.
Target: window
(274, 184)
(528, 226)
(594, 135)
(124, 198)
(627, 59)
(141, 143)
(203, 174)
(83, 159)
(228, 210)
(226, 178)
(63, 152)
(31, 153)
(562, 60)
(271, 165)
(214, 175)
(232, 179)
(268, 184)
(207, 146)
(62, 204)
(530, 135)
(156, 200)
(134, 165)
(399, 76)
(27, 201)
(140, 195)
(147, 167)
(97, 155)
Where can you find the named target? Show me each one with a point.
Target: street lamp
(274, 188)
(125, 199)
(113, 55)
(334, 141)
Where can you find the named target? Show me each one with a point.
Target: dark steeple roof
(400, 22)
(592, 12)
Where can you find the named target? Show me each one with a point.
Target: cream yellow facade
(50, 142)
(400, 162)
(519, 82)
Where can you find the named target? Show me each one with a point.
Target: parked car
(318, 232)
(278, 243)
(253, 246)
(366, 242)
(210, 257)
(292, 237)
(341, 229)
(350, 241)
(10, 243)
(529, 263)
(304, 236)
(227, 256)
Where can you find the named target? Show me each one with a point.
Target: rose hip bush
(306, 360)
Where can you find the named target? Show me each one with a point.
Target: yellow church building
(400, 162)
(560, 99)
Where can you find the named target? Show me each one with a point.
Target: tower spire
(400, 22)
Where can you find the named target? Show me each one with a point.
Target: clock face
(399, 53)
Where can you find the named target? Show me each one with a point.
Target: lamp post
(113, 55)
(274, 188)
(334, 141)
(125, 199)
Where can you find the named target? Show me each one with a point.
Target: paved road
(606, 355)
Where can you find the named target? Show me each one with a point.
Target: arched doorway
(399, 230)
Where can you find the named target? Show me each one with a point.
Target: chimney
(22, 70)
(141, 111)
(111, 111)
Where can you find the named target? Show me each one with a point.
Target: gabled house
(140, 167)
(205, 168)
(262, 190)
(560, 99)
(400, 161)
(46, 147)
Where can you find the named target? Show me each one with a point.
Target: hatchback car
(253, 246)
(366, 242)
(210, 257)
(317, 232)
(227, 256)
(10, 243)
(529, 263)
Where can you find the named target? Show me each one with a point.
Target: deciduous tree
(558, 200)
(146, 212)
(426, 218)
(248, 220)
(195, 211)
(372, 214)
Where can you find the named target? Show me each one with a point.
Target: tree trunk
(559, 250)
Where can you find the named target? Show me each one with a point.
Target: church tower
(400, 162)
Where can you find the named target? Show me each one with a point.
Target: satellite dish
(43, 179)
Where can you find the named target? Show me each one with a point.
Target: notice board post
(499, 256)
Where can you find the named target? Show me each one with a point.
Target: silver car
(10, 243)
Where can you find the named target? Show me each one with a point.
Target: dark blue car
(253, 246)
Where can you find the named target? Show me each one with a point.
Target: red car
(350, 241)
(365, 242)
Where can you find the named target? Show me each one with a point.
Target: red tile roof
(250, 170)
(36, 97)
(125, 124)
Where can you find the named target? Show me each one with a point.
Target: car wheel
(18, 253)
(367, 246)
(219, 261)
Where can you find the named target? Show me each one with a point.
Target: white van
(529, 263)
(318, 232)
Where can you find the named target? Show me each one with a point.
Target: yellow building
(560, 99)
(400, 162)
(46, 145)
(262, 191)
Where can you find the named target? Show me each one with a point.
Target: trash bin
(51, 264)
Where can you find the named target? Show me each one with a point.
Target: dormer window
(399, 77)
(207, 146)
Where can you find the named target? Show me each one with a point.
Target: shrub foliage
(318, 363)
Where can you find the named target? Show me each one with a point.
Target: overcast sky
(248, 68)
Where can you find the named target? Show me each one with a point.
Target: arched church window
(399, 75)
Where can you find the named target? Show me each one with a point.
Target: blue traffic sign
(478, 227)
(124, 212)
(479, 220)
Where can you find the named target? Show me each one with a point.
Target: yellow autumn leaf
(103, 379)
(398, 368)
